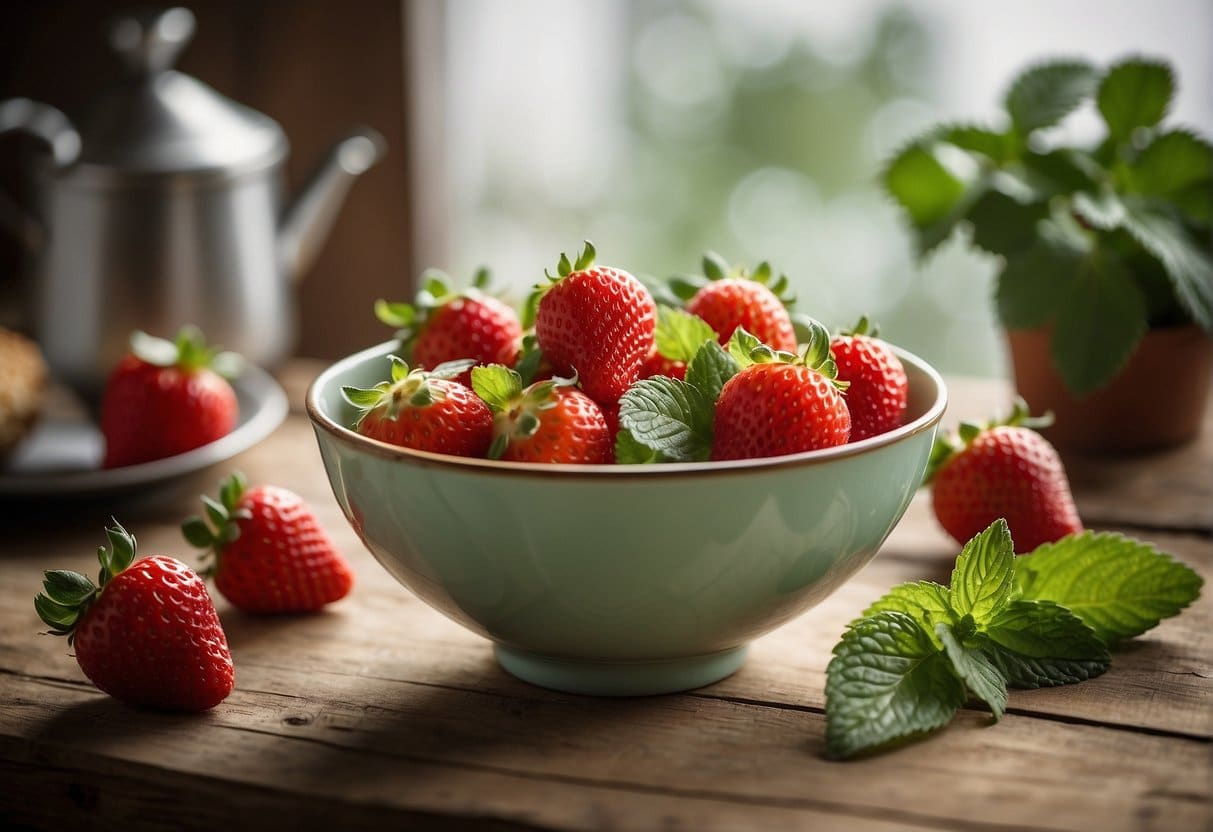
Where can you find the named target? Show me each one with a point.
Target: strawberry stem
(66, 596)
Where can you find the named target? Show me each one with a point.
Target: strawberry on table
(1002, 469)
(595, 322)
(425, 410)
(148, 635)
(549, 421)
(782, 403)
(271, 554)
(165, 398)
(735, 298)
(878, 387)
(442, 325)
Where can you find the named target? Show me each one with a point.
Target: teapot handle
(53, 129)
(148, 42)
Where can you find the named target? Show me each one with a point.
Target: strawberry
(549, 421)
(733, 298)
(271, 555)
(425, 410)
(148, 635)
(782, 403)
(1002, 469)
(596, 323)
(165, 398)
(878, 389)
(441, 325)
(659, 365)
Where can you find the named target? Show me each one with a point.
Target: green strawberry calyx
(407, 387)
(516, 409)
(947, 446)
(188, 352)
(223, 514)
(746, 350)
(716, 268)
(862, 327)
(66, 595)
(436, 291)
(564, 268)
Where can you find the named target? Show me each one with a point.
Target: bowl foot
(621, 678)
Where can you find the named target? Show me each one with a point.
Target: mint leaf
(1004, 224)
(930, 193)
(887, 682)
(973, 665)
(998, 147)
(669, 416)
(984, 575)
(497, 385)
(680, 334)
(1040, 644)
(1171, 163)
(1188, 267)
(1045, 94)
(1118, 586)
(1033, 282)
(1099, 323)
(927, 603)
(1135, 93)
(630, 452)
(710, 369)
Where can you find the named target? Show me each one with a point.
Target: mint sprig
(1039, 620)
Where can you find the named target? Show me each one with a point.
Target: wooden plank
(364, 739)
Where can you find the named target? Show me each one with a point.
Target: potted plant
(1105, 284)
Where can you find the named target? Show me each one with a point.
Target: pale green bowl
(621, 580)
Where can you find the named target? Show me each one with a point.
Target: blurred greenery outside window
(662, 129)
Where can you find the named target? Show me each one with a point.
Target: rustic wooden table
(381, 713)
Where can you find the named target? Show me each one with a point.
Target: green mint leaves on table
(1042, 619)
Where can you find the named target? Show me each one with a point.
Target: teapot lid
(161, 121)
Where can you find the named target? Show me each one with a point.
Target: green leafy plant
(1042, 619)
(1100, 242)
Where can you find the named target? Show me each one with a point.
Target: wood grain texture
(380, 712)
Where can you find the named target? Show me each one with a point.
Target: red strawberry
(164, 399)
(425, 410)
(596, 322)
(658, 365)
(441, 326)
(1002, 469)
(878, 388)
(782, 404)
(549, 421)
(271, 555)
(149, 635)
(735, 298)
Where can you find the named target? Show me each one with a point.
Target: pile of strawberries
(565, 382)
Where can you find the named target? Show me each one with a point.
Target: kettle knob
(149, 42)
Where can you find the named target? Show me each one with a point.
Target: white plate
(62, 457)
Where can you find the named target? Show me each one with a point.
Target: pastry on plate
(22, 383)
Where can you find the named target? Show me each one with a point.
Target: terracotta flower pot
(1157, 401)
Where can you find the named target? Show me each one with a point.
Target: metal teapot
(164, 208)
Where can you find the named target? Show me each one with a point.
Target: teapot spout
(307, 220)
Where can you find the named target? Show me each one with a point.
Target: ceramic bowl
(621, 580)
